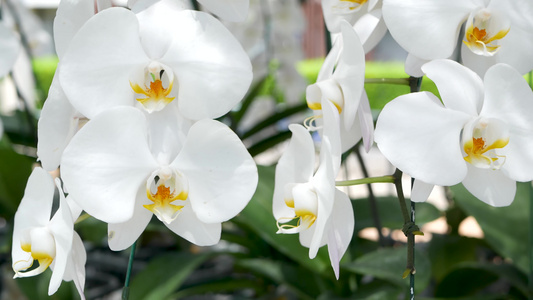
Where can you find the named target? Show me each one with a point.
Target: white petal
(334, 17)
(460, 88)
(331, 137)
(477, 63)
(62, 228)
(188, 226)
(9, 47)
(106, 163)
(212, 69)
(350, 73)
(371, 29)
(366, 121)
(340, 230)
(421, 137)
(427, 29)
(324, 183)
(222, 175)
(34, 210)
(231, 10)
(413, 65)
(296, 165)
(490, 186)
(122, 235)
(514, 49)
(70, 16)
(76, 265)
(96, 68)
(421, 191)
(57, 125)
(509, 98)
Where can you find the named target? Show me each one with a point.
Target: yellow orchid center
(303, 200)
(484, 30)
(163, 188)
(151, 92)
(40, 244)
(482, 138)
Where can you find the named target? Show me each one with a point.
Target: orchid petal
(341, 228)
(62, 228)
(34, 211)
(106, 162)
(296, 165)
(212, 69)
(490, 186)
(122, 235)
(334, 19)
(190, 227)
(509, 98)
(460, 88)
(101, 57)
(57, 125)
(371, 29)
(324, 183)
(366, 122)
(70, 17)
(413, 65)
(222, 175)
(76, 265)
(421, 191)
(230, 10)
(440, 20)
(331, 137)
(421, 137)
(350, 73)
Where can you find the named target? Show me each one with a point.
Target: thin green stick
(530, 240)
(401, 81)
(126, 289)
(380, 179)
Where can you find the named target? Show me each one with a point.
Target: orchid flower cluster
(130, 120)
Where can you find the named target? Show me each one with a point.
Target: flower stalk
(126, 289)
(380, 179)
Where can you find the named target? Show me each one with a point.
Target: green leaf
(222, 286)
(446, 251)
(389, 264)
(472, 279)
(390, 213)
(164, 275)
(505, 228)
(14, 172)
(259, 218)
(305, 284)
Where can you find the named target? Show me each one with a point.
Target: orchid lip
(347, 6)
(482, 140)
(484, 31)
(166, 187)
(40, 244)
(154, 86)
(301, 198)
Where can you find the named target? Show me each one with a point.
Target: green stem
(530, 241)
(402, 81)
(126, 289)
(380, 179)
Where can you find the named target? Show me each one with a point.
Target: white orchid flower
(364, 15)
(323, 214)
(51, 242)
(496, 31)
(153, 59)
(481, 135)
(117, 173)
(229, 10)
(344, 87)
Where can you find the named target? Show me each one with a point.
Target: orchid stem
(380, 179)
(530, 239)
(126, 289)
(401, 81)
